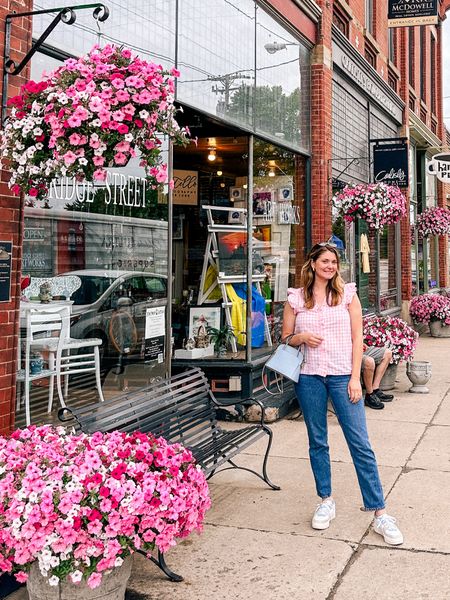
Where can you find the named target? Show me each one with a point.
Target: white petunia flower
(76, 576)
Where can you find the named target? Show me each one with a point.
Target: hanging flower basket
(90, 114)
(377, 203)
(433, 221)
(392, 333)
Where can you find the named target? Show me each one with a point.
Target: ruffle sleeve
(295, 299)
(349, 292)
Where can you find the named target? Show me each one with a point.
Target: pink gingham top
(334, 355)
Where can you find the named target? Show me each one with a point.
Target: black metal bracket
(65, 15)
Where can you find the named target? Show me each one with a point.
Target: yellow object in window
(364, 248)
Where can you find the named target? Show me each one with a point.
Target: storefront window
(281, 108)
(102, 249)
(217, 70)
(388, 268)
(342, 237)
(210, 246)
(414, 249)
(278, 209)
(219, 75)
(148, 28)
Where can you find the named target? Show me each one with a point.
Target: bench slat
(180, 409)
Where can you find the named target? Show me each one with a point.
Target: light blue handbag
(285, 361)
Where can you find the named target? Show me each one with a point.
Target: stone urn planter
(388, 381)
(418, 372)
(112, 587)
(439, 329)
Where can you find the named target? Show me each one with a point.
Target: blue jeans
(312, 394)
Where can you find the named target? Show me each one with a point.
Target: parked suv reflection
(105, 295)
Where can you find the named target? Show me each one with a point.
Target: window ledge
(372, 41)
(394, 69)
(345, 8)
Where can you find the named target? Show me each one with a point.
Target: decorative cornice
(340, 40)
(423, 135)
(310, 8)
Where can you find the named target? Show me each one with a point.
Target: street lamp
(273, 47)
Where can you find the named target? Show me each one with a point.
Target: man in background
(375, 361)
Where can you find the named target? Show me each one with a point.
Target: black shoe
(382, 396)
(372, 401)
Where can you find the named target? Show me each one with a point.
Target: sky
(446, 68)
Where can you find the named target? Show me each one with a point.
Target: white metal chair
(49, 324)
(67, 363)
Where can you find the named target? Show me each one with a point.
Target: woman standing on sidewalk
(325, 315)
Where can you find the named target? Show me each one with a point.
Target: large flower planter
(388, 381)
(112, 586)
(439, 329)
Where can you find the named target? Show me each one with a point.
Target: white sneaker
(324, 513)
(385, 526)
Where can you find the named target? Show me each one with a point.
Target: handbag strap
(279, 378)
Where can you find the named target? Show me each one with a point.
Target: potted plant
(221, 338)
(392, 333)
(377, 203)
(434, 310)
(93, 112)
(433, 221)
(74, 507)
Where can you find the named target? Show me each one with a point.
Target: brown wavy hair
(335, 287)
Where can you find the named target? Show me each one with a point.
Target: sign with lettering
(118, 189)
(155, 329)
(369, 82)
(185, 187)
(440, 166)
(408, 13)
(5, 271)
(390, 164)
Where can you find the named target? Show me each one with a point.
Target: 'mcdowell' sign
(440, 166)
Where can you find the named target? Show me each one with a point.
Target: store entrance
(212, 172)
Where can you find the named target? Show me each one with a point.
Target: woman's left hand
(354, 390)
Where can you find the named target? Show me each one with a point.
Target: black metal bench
(181, 409)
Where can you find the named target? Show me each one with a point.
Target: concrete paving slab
(392, 440)
(433, 451)
(419, 500)
(382, 574)
(442, 417)
(243, 564)
(240, 500)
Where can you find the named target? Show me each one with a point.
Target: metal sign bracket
(66, 15)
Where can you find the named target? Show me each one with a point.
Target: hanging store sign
(408, 13)
(439, 165)
(185, 187)
(390, 164)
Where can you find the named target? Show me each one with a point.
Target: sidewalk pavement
(258, 543)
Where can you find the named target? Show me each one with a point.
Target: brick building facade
(366, 82)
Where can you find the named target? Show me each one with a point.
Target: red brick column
(11, 225)
(321, 129)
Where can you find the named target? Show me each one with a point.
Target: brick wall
(11, 219)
